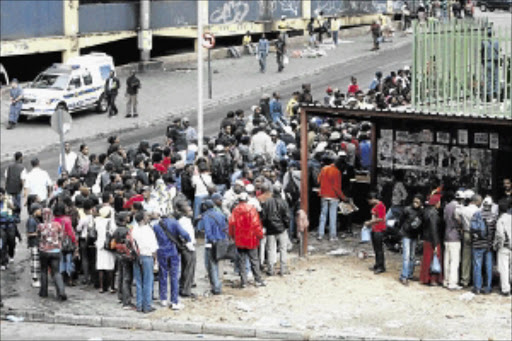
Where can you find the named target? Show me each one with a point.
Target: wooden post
(304, 172)
(373, 168)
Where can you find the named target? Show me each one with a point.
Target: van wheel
(22, 118)
(483, 8)
(102, 104)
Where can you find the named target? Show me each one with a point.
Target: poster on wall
(427, 136)
(481, 138)
(443, 137)
(386, 134)
(459, 161)
(429, 156)
(463, 137)
(385, 153)
(402, 136)
(406, 155)
(494, 141)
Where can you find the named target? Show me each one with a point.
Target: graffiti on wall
(230, 12)
(340, 7)
(285, 7)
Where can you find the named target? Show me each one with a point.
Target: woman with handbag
(69, 243)
(431, 273)
(105, 259)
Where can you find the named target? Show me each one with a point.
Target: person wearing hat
(328, 96)
(483, 229)
(33, 221)
(105, 259)
(246, 230)
(431, 241)
(463, 216)
(132, 89)
(16, 97)
(452, 242)
(218, 201)
(231, 197)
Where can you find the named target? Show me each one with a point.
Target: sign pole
(200, 78)
(209, 75)
(61, 138)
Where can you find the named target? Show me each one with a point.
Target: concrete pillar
(306, 9)
(70, 9)
(145, 35)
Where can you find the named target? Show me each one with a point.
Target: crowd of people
(116, 218)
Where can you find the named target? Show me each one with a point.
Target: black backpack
(221, 170)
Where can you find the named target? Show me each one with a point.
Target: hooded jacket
(245, 226)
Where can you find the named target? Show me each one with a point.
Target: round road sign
(208, 40)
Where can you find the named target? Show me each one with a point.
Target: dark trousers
(188, 271)
(105, 279)
(378, 248)
(87, 261)
(112, 108)
(8, 235)
(243, 254)
(124, 281)
(280, 63)
(51, 260)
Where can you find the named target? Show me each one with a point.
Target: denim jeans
(481, 258)
(221, 189)
(492, 78)
(143, 275)
(408, 257)
(14, 112)
(168, 266)
(263, 61)
(198, 200)
(212, 267)
(329, 207)
(51, 260)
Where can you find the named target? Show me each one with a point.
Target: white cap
(243, 196)
(335, 136)
(219, 148)
(342, 153)
(459, 195)
(273, 132)
(468, 194)
(487, 201)
(250, 188)
(192, 148)
(239, 183)
(406, 68)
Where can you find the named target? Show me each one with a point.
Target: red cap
(329, 89)
(136, 198)
(434, 199)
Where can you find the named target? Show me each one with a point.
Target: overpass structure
(66, 26)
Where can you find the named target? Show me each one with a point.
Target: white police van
(77, 85)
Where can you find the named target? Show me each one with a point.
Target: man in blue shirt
(276, 109)
(16, 96)
(214, 225)
(263, 53)
(169, 258)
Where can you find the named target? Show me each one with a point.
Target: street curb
(187, 327)
(186, 111)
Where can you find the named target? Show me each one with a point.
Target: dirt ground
(326, 293)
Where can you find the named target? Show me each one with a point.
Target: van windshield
(48, 81)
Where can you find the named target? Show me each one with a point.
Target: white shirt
(37, 182)
(146, 240)
(186, 224)
(199, 184)
(151, 206)
(261, 144)
(465, 214)
(70, 160)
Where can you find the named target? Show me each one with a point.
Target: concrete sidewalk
(165, 95)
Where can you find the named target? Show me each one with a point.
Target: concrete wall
(108, 17)
(346, 7)
(173, 13)
(27, 18)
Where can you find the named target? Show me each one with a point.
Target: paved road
(363, 69)
(41, 331)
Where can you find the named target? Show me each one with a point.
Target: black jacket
(431, 226)
(132, 85)
(115, 87)
(410, 218)
(275, 215)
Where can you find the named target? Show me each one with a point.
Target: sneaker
(164, 304)
(455, 287)
(260, 284)
(36, 284)
(177, 306)
(333, 239)
(475, 291)
(405, 282)
(11, 260)
(319, 238)
(149, 311)
(129, 307)
(506, 294)
(63, 297)
(3, 268)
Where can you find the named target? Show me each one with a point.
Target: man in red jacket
(245, 228)
(330, 194)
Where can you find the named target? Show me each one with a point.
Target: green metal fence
(462, 66)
